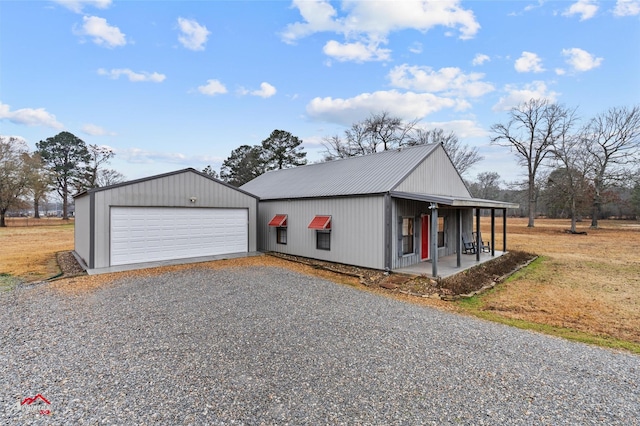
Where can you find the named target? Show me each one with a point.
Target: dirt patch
(487, 274)
(470, 282)
(368, 277)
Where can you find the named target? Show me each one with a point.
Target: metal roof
(368, 174)
(163, 175)
(455, 201)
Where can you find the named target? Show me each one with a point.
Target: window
(323, 240)
(279, 221)
(281, 235)
(440, 231)
(407, 235)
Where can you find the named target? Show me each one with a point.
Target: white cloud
(133, 76)
(462, 128)
(450, 81)
(95, 130)
(586, 9)
(416, 47)
(369, 23)
(78, 5)
(103, 34)
(212, 88)
(143, 156)
(480, 59)
(627, 8)
(357, 52)
(581, 60)
(266, 90)
(528, 62)
(318, 16)
(517, 95)
(29, 117)
(193, 35)
(404, 105)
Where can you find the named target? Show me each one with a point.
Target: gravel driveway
(271, 346)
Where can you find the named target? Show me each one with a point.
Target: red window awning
(320, 222)
(279, 220)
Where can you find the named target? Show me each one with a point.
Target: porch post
(493, 232)
(458, 238)
(504, 230)
(388, 264)
(478, 236)
(434, 239)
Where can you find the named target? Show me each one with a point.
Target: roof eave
(455, 201)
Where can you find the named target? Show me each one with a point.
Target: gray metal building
(178, 215)
(384, 211)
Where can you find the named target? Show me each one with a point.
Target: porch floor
(447, 265)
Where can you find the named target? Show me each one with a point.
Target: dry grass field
(28, 252)
(589, 283)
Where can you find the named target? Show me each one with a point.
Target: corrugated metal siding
(169, 191)
(435, 175)
(82, 230)
(357, 229)
(416, 209)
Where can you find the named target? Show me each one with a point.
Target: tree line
(573, 168)
(578, 163)
(63, 163)
(378, 132)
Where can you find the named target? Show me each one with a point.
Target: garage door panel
(146, 234)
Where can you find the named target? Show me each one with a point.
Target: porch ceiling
(455, 201)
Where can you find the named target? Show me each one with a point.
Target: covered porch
(484, 246)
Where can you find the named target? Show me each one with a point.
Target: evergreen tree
(66, 157)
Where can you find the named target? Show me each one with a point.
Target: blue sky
(175, 84)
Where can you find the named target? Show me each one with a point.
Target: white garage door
(148, 234)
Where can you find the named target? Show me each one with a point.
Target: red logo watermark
(38, 404)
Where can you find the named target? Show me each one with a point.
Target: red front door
(424, 252)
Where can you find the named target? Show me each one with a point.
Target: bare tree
(13, 176)
(532, 129)
(107, 177)
(613, 142)
(98, 157)
(39, 181)
(378, 132)
(388, 131)
(486, 186)
(463, 157)
(569, 153)
(335, 147)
